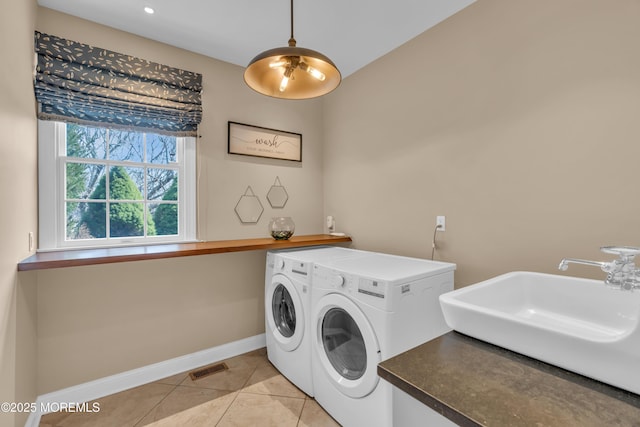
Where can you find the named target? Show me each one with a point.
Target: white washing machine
(366, 310)
(287, 309)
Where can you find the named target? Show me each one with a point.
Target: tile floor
(250, 393)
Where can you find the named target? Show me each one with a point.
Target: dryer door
(346, 345)
(285, 318)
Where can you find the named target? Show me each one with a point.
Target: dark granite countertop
(474, 383)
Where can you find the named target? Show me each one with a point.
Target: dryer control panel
(371, 287)
(371, 291)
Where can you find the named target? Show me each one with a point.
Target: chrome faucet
(621, 273)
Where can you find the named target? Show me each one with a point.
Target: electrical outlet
(331, 223)
(440, 223)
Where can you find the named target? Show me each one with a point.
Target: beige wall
(98, 321)
(103, 320)
(18, 213)
(518, 120)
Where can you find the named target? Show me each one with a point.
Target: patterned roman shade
(79, 83)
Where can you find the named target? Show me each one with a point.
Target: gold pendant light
(292, 72)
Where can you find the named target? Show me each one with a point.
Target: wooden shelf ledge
(79, 257)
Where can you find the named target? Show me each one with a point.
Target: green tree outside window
(166, 215)
(125, 218)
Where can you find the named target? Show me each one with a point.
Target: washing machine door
(285, 317)
(346, 345)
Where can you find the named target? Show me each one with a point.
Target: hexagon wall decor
(249, 209)
(277, 195)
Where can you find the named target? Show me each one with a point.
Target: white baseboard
(115, 383)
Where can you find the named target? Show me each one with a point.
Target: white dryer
(287, 309)
(365, 310)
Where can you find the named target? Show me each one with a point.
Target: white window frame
(51, 195)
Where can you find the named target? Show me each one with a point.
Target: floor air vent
(208, 370)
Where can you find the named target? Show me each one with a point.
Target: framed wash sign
(264, 142)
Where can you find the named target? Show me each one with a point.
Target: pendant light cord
(292, 19)
(292, 41)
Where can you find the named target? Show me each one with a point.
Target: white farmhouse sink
(578, 324)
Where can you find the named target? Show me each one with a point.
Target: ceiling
(352, 33)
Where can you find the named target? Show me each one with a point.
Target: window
(108, 187)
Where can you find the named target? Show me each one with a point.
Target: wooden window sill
(79, 257)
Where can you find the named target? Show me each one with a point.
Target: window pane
(127, 220)
(125, 146)
(126, 183)
(86, 220)
(86, 141)
(165, 218)
(162, 184)
(113, 186)
(83, 181)
(161, 149)
(74, 215)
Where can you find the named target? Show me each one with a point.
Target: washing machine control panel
(300, 267)
(283, 265)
